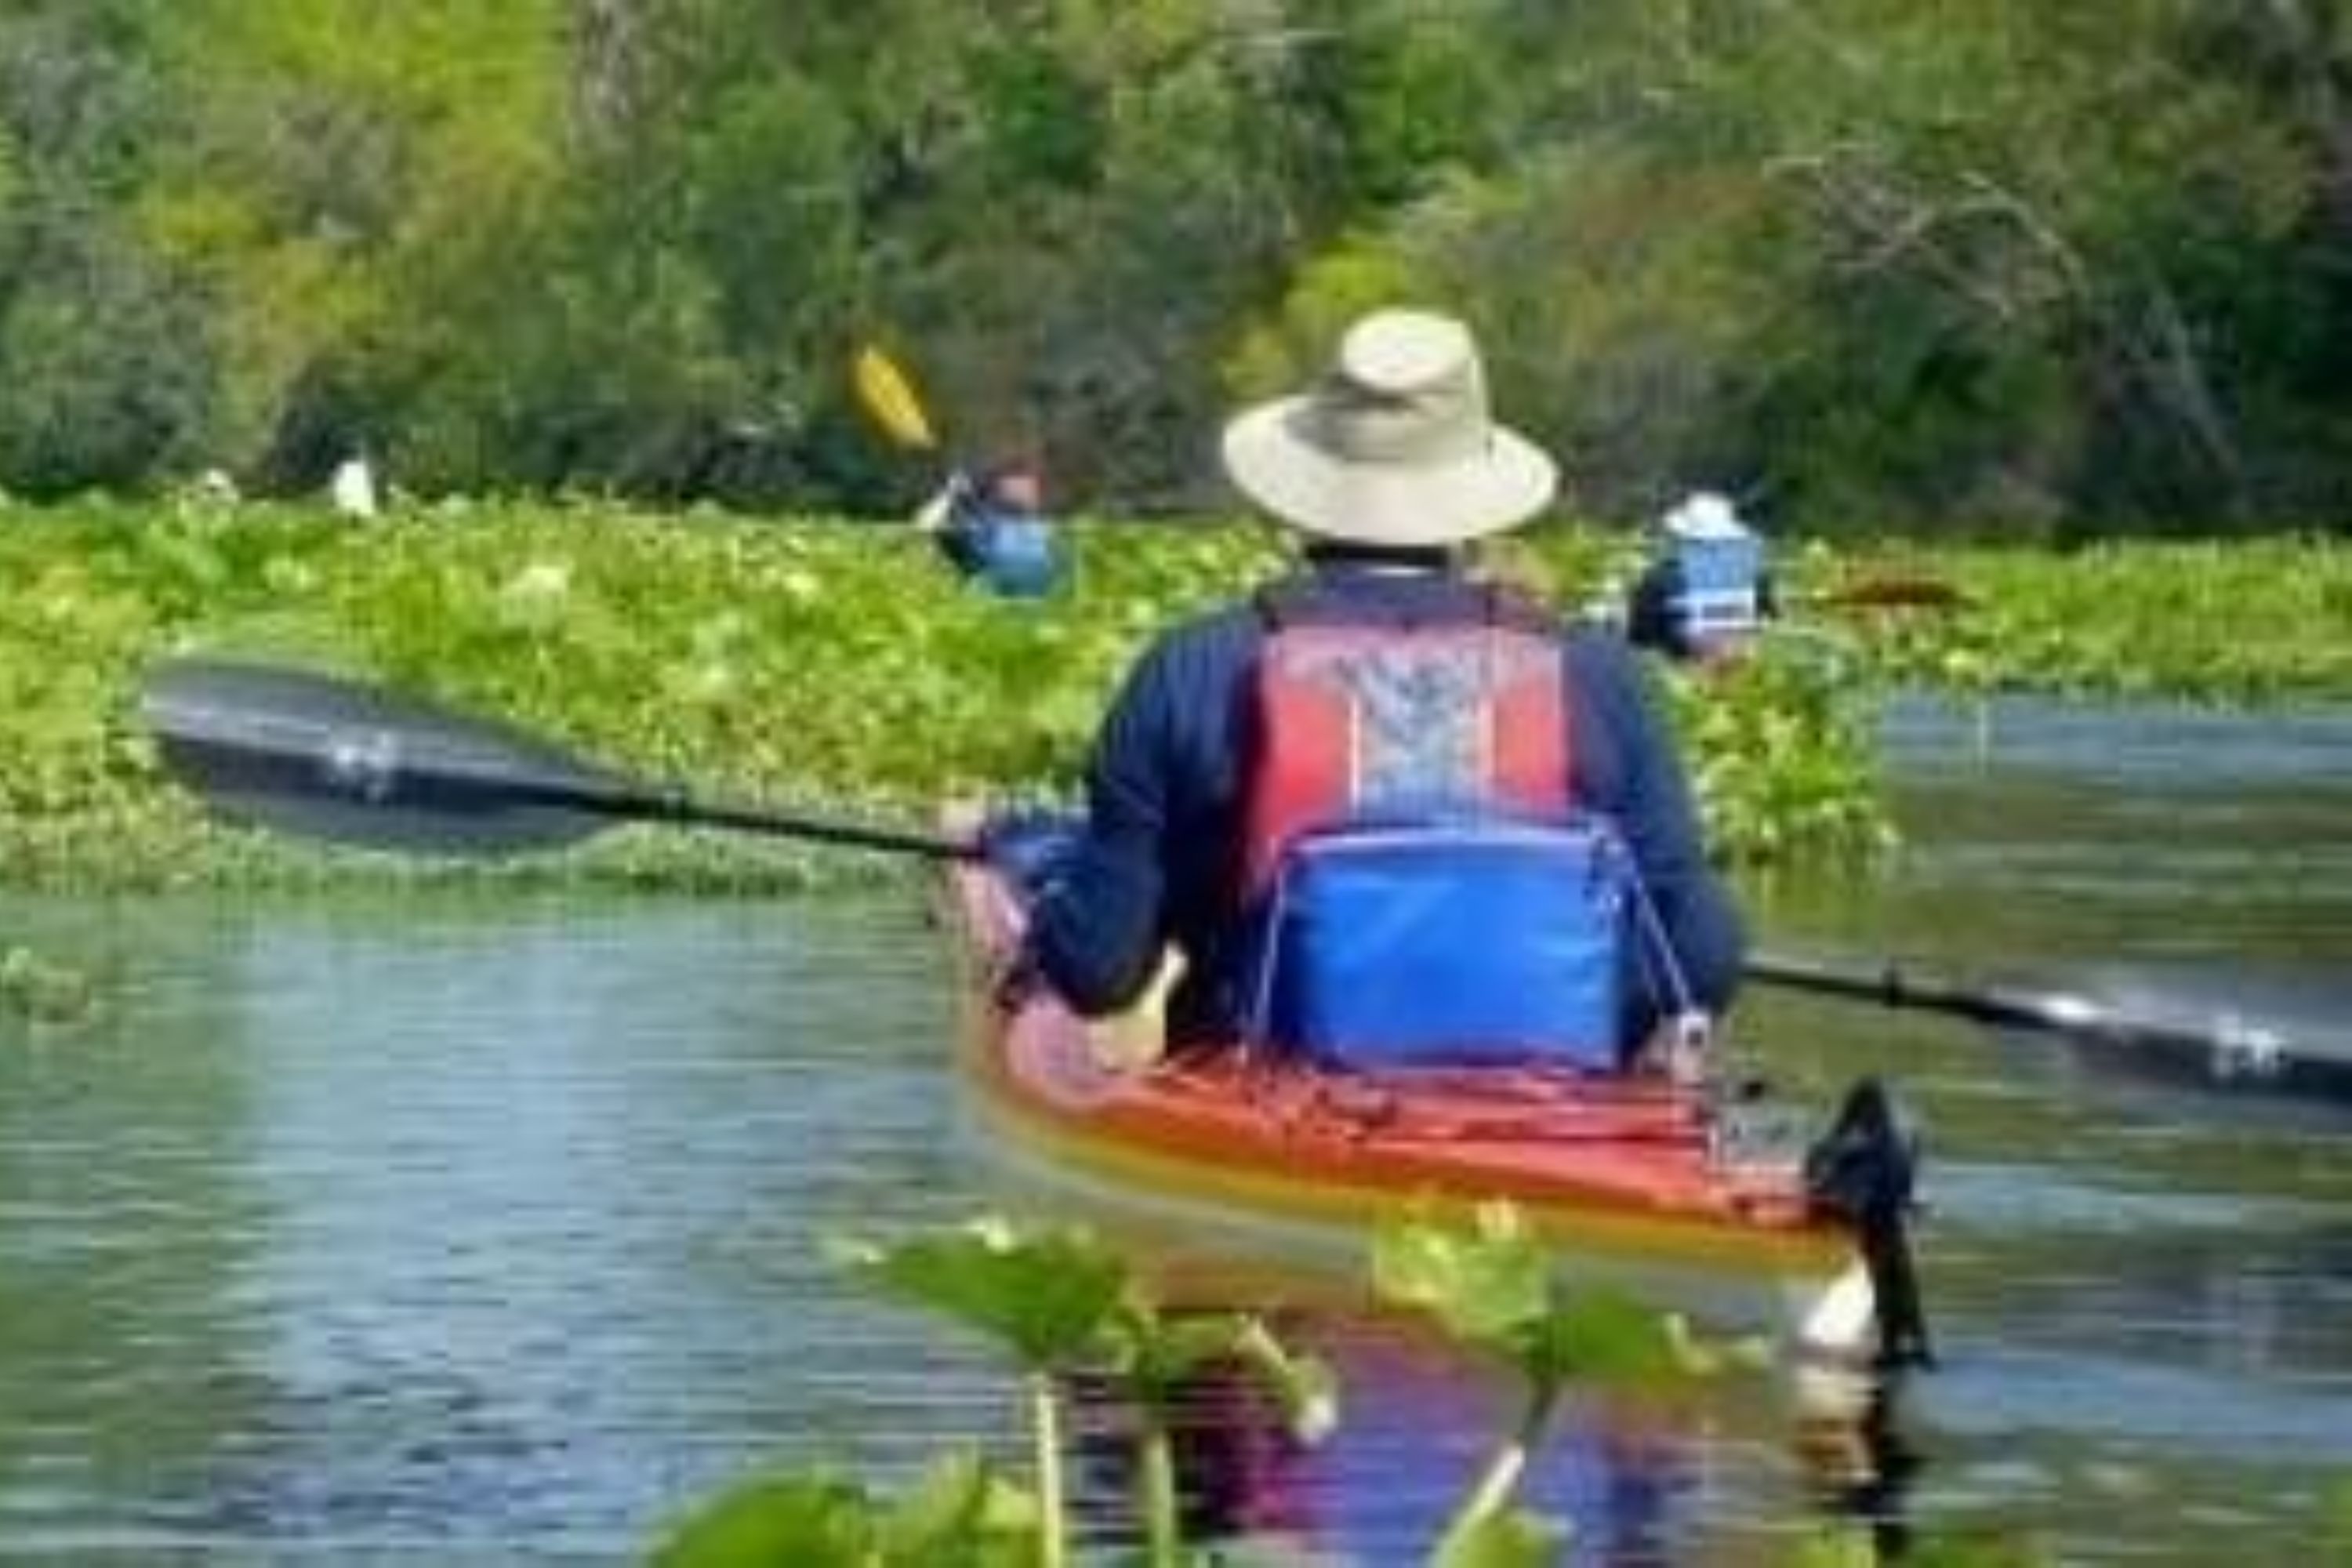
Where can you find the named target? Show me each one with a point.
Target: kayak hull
(1618, 1167)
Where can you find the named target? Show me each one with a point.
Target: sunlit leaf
(1509, 1538)
(1045, 1294)
(1603, 1337)
(1483, 1284)
(961, 1512)
(793, 1521)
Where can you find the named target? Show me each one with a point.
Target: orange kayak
(1629, 1167)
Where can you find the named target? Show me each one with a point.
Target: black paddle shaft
(2227, 1053)
(335, 759)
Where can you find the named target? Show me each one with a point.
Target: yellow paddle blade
(888, 395)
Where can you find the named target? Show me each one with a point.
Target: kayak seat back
(1478, 943)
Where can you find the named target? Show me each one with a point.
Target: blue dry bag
(1481, 943)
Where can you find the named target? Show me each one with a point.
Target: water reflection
(1859, 1466)
(1630, 1475)
(453, 1227)
(1637, 1476)
(2173, 864)
(2159, 844)
(483, 1231)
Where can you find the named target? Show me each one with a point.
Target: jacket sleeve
(1096, 935)
(1631, 770)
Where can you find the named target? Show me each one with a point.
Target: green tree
(339, 152)
(102, 346)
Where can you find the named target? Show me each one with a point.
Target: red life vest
(1386, 722)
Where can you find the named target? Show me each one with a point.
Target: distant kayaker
(1708, 591)
(352, 488)
(993, 528)
(1382, 684)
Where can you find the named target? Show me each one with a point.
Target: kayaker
(1707, 592)
(1222, 753)
(993, 529)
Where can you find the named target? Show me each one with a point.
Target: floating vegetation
(43, 991)
(2247, 621)
(835, 665)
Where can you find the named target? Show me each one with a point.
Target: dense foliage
(841, 665)
(2243, 622)
(1991, 263)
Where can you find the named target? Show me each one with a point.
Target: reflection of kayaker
(993, 528)
(1414, 1417)
(1708, 591)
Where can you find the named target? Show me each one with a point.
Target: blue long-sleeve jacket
(1159, 858)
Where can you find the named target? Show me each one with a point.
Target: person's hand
(1015, 979)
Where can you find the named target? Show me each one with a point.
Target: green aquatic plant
(1044, 1297)
(1064, 1304)
(2240, 621)
(832, 663)
(1818, 798)
(1491, 1286)
(961, 1514)
(1153, 1356)
(44, 991)
(821, 662)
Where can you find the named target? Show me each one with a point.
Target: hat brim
(1706, 526)
(1506, 481)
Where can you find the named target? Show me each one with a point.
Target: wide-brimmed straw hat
(1705, 515)
(1393, 445)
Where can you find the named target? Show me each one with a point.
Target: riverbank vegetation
(2056, 271)
(837, 664)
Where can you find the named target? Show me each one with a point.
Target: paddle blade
(323, 758)
(887, 394)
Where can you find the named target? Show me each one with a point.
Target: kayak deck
(1629, 1165)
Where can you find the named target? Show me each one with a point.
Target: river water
(482, 1228)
